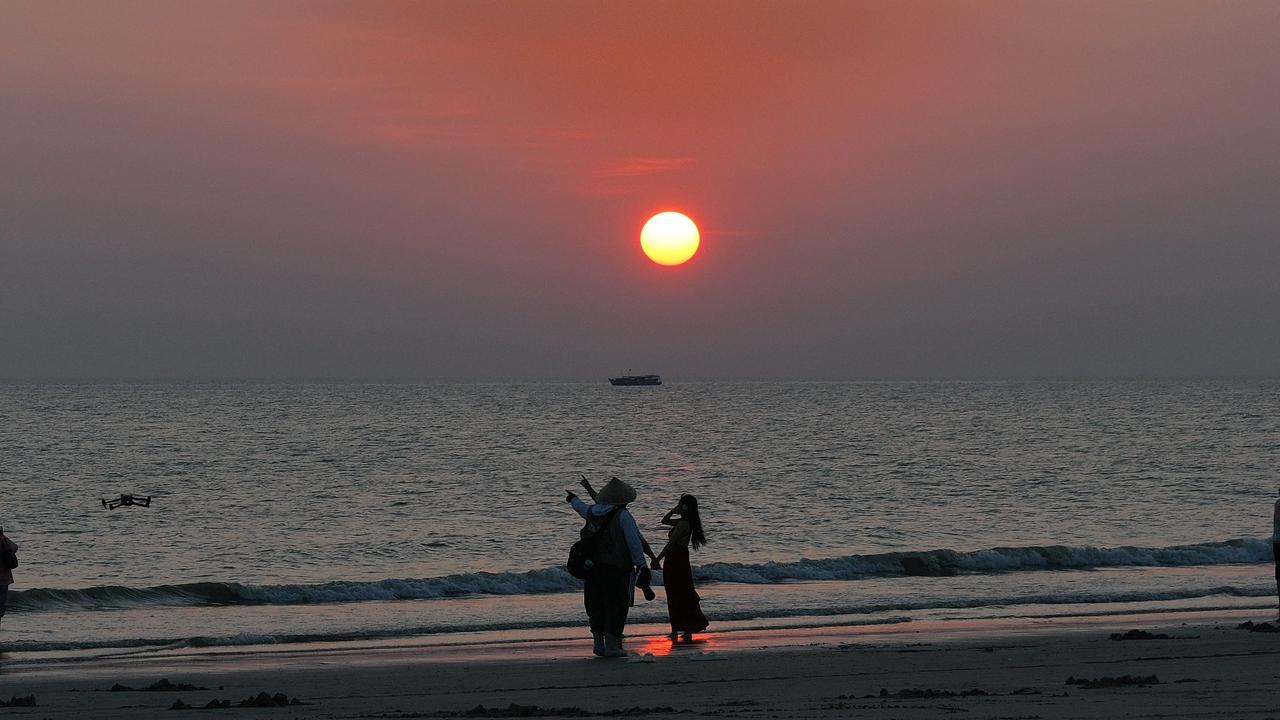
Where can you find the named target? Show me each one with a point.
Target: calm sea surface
(339, 511)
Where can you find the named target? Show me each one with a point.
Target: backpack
(8, 558)
(580, 552)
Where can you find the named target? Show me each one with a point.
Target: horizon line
(603, 379)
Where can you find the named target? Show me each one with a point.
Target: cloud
(624, 175)
(639, 167)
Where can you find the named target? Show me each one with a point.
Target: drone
(125, 501)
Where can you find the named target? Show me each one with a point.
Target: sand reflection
(663, 645)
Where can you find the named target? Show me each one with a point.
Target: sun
(669, 238)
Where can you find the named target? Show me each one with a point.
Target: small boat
(636, 380)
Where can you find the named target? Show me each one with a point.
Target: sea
(305, 513)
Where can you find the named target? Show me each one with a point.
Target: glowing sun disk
(669, 238)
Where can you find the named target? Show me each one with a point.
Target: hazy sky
(369, 190)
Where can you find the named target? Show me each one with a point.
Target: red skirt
(682, 599)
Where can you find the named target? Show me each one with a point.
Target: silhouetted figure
(126, 501)
(677, 573)
(607, 587)
(1275, 548)
(643, 579)
(8, 561)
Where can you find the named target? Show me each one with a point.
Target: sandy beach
(1009, 668)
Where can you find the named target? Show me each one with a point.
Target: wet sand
(1005, 668)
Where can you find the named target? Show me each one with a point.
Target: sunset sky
(366, 190)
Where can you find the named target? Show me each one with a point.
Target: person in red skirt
(677, 573)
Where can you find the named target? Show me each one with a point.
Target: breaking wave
(934, 563)
(938, 563)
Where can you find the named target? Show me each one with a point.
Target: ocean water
(330, 512)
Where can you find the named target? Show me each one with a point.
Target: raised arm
(586, 485)
(680, 533)
(578, 504)
(670, 518)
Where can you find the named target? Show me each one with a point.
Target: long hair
(690, 515)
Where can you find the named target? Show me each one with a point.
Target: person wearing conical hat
(607, 588)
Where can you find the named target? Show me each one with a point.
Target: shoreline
(562, 643)
(71, 633)
(1010, 667)
(1207, 668)
(568, 641)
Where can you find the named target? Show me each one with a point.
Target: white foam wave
(554, 580)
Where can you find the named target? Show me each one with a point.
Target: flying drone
(125, 501)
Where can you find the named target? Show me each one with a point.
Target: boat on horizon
(636, 380)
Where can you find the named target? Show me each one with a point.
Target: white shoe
(613, 647)
(597, 646)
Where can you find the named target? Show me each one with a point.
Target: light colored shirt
(628, 524)
(6, 575)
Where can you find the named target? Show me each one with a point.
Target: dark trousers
(1275, 550)
(607, 597)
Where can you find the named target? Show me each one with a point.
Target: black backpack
(580, 553)
(8, 558)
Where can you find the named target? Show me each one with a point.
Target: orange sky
(402, 190)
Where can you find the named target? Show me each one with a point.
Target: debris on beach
(514, 710)
(930, 694)
(1114, 682)
(161, 685)
(265, 700)
(925, 694)
(533, 711)
(261, 700)
(1259, 627)
(1139, 635)
(214, 704)
(15, 701)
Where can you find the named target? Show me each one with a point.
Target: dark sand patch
(526, 711)
(932, 694)
(161, 685)
(1139, 635)
(1114, 682)
(1264, 627)
(261, 700)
